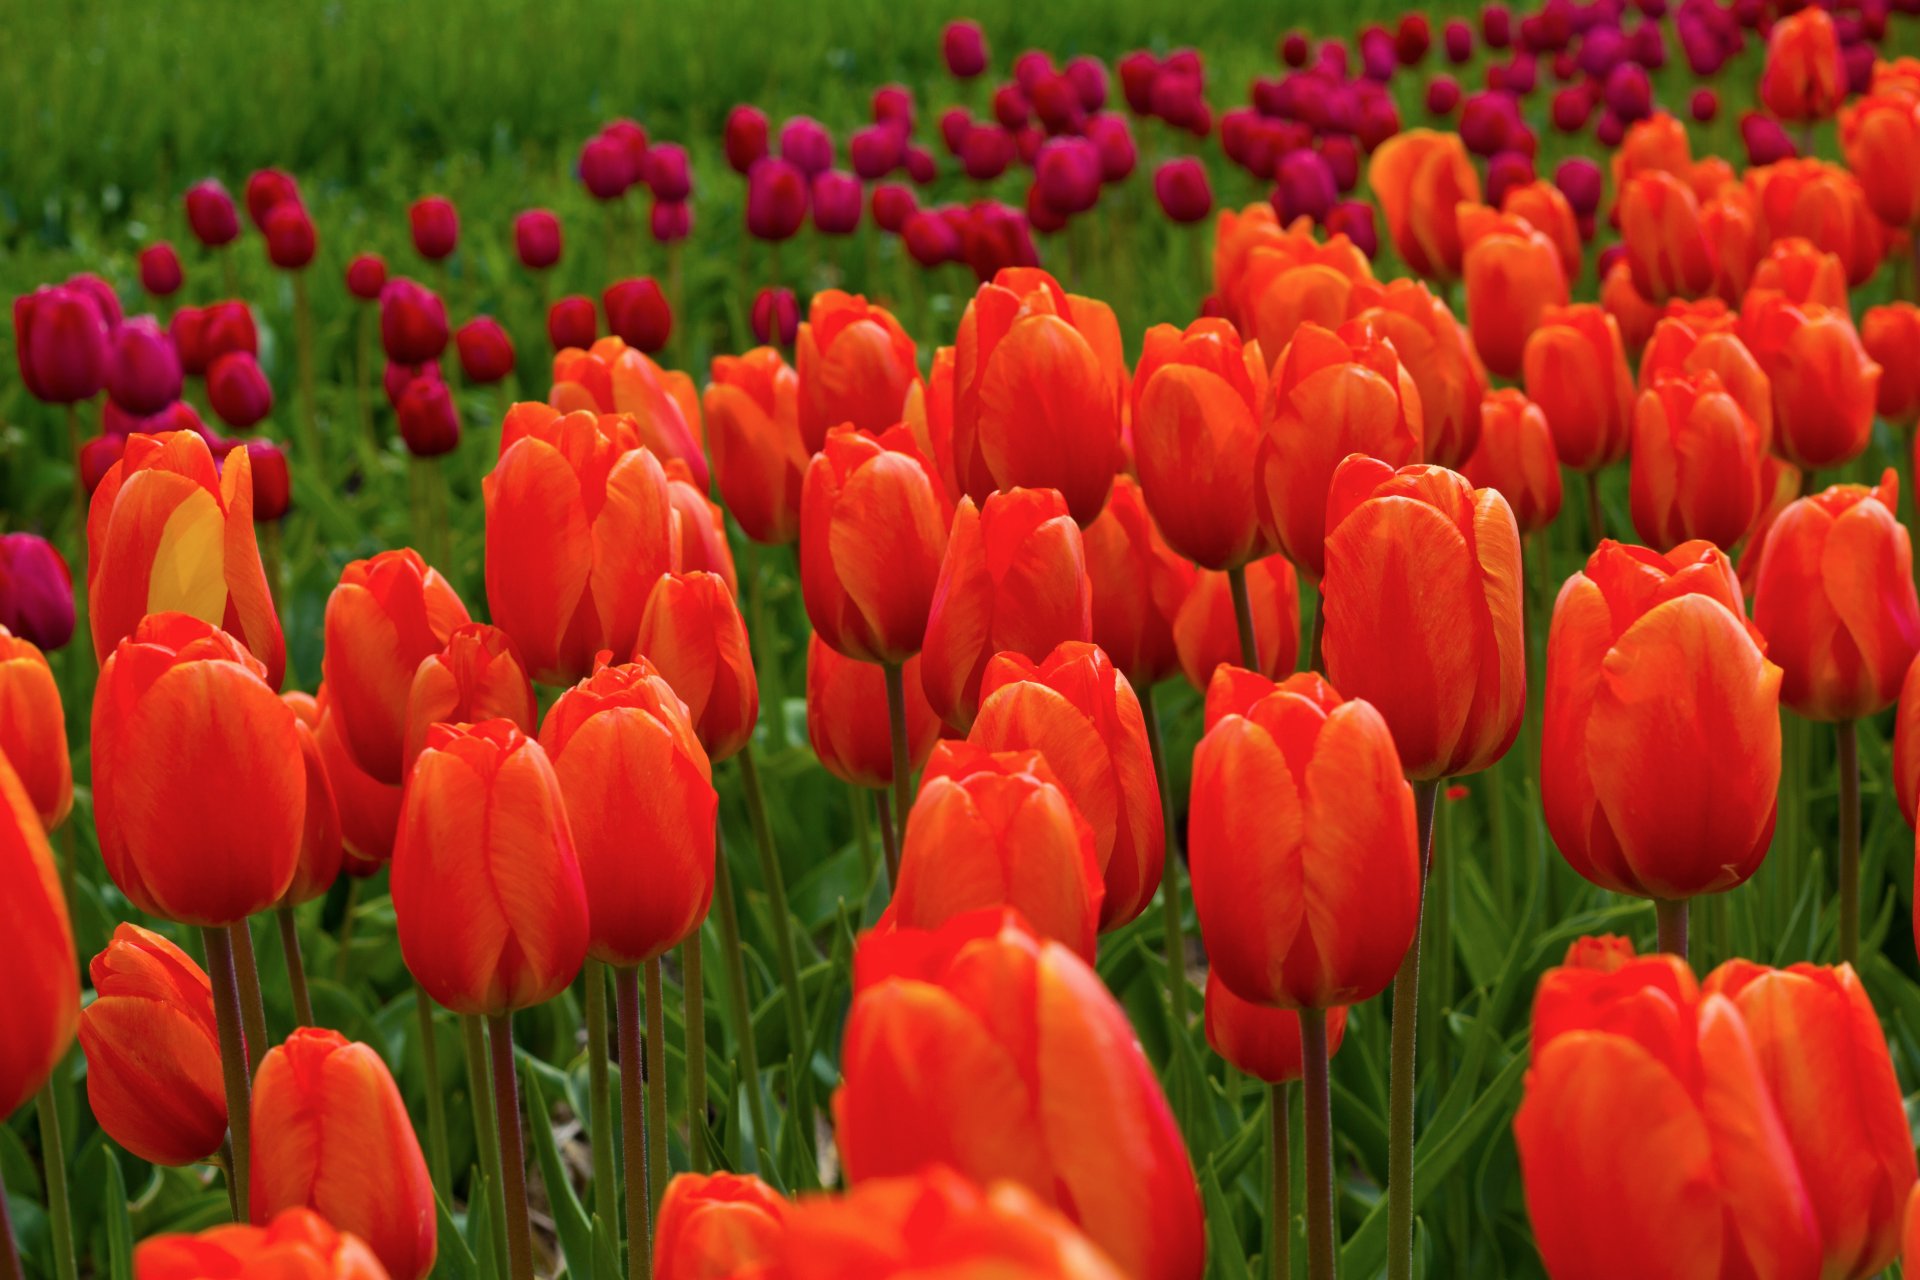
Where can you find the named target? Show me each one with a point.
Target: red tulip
(477, 676)
(638, 314)
(36, 590)
(1259, 1040)
(40, 1004)
(297, 1243)
(160, 273)
(713, 1225)
(486, 350)
(1804, 78)
(318, 865)
(536, 239)
(413, 322)
(435, 226)
(211, 215)
(1435, 348)
(1696, 463)
(33, 728)
(1516, 457)
(855, 364)
(1575, 369)
(694, 636)
(1206, 629)
(759, 458)
(1138, 584)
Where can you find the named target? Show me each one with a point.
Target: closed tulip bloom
(238, 390)
(1826, 1063)
(752, 412)
(1655, 785)
(1878, 134)
(1516, 457)
(367, 276)
(1825, 386)
(1423, 611)
(1513, 275)
(579, 528)
(847, 717)
(1696, 464)
(267, 190)
(321, 851)
(1082, 715)
(272, 485)
(321, 1105)
(203, 334)
(1704, 338)
(1802, 272)
(181, 699)
(289, 233)
(1296, 280)
(639, 787)
(153, 1052)
(1703, 1183)
(1038, 377)
(714, 1225)
(1206, 631)
(167, 532)
(572, 323)
(700, 529)
(63, 345)
(486, 350)
(1822, 203)
(211, 215)
(143, 372)
(855, 364)
(477, 676)
(1138, 584)
(986, 1048)
(1438, 351)
(1889, 334)
(1576, 371)
(776, 317)
(429, 424)
(1804, 78)
(36, 590)
(40, 1003)
(638, 314)
(413, 322)
(1259, 1040)
(1333, 393)
(1834, 596)
(1420, 176)
(1548, 211)
(487, 892)
(369, 809)
(536, 239)
(1197, 442)
(33, 728)
(873, 525)
(387, 615)
(297, 1243)
(435, 226)
(1620, 300)
(694, 636)
(613, 377)
(776, 199)
(1668, 250)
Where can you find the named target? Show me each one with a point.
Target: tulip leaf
(1226, 1258)
(481, 1234)
(119, 1224)
(569, 1219)
(453, 1260)
(606, 1250)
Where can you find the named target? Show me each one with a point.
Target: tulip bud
(670, 221)
(33, 730)
(1804, 78)
(1259, 1040)
(1575, 369)
(776, 317)
(572, 323)
(369, 810)
(1125, 553)
(638, 314)
(1513, 274)
(367, 276)
(299, 1241)
(1696, 463)
(478, 676)
(694, 636)
(752, 415)
(662, 405)
(776, 199)
(97, 457)
(289, 234)
(36, 591)
(211, 215)
(486, 351)
(429, 424)
(1516, 457)
(836, 202)
(160, 273)
(143, 371)
(1888, 333)
(1206, 630)
(267, 190)
(272, 487)
(413, 322)
(1181, 187)
(63, 344)
(855, 365)
(1419, 177)
(40, 1006)
(963, 46)
(1824, 384)
(847, 721)
(203, 334)
(435, 226)
(607, 167)
(536, 239)
(729, 1224)
(746, 137)
(238, 390)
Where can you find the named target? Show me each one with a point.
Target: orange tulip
(714, 1226)
(1880, 135)
(1906, 745)
(321, 1106)
(1649, 1142)
(1296, 280)
(1197, 440)
(1890, 334)
(40, 1001)
(1575, 369)
(1696, 463)
(1834, 596)
(1804, 77)
(1802, 272)
(611, 377)
(1138, 584)
(1824, 384)
(1516, 457)
(1333, 394)
(1236, 234)
(1206, 632)
(1634, 315)
(33, 728)
(985, 1047)
(847, 717)
(180, 700)
(929, 414)
(168, 532)
(153, 1052)
(753, 417)
(320, 848)
(1653, 784)
(694, 636)
(997, 828)
(1704, 337)
(297, 1243)
(1731, 221)
(1825, 1059)
(1896, 75)
(1423, 611)
(700, 530)
(369, 809)
(1437, 350)
(1082, 715)
(873, 534)
(855, 365)
(1038, 376)
(1298, 907)
(478, 676)
(937, 1223)
(1547, 211)
(1658, 144)
(579, 528)
(1014, 579)
(1260, 1041)
(1910, 1233)
(389, 614)
(1780, 485)
(639, 789)
(1667, 249)
(1822, 203)
(487, 892)
(1513, 275)
(1420, 176)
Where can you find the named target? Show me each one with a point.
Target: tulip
(700, 528)
(1334, 393)
(320, 1103)
(638, 314)
(1667, 247)
(1124, 550)
(776, 199)
(1259, 1040)
(1802, 272)
(367, 277)
(429, 424)
(572, 323)
(836, 200)
(97, 457)
(1876, 132)
(178, 699)
(1696, 463)
(1824, 384)
(290, 237)
(1887, 334)
(1434, 348)
(776, 318)
(271, 484)
(639, 789)
(847, 717)
(752, 412)
(203, 334)
(166, 532)
(160, 273)
(1420, 176)
(536, 239)
(1513, 275)
(1669, 796)
(1516, 457)
(855, 364)
(36, 590)
(488, 897)
(718, 1224)
(388, 615)
(210, 214)
(1548, 210)
(964, 49)
(694, 636)
(413, 322)
(579, 527)
(477, 676)
(1033, 1076)
(369, 809)
(1803, 78)
(1825, 1060)
(746, 137)
(1635, 316)
(1180, 185)
(238, 390)
(1822, 203)
(1575, 369)
(298, 1242)
(63, 344)
(612, 377)
(486, 350)
(607, 167)
(1703, 339)
(1205, 628)
(267, 190)
(33, 730)
(41, 1003)
(435, 226)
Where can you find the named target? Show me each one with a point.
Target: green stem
(1319, 1122)
(1280, 1151)
(1406, 988)
(223, 1161)
(53, 1154)
(1670, 917)
(233, 1060)
(513, 1157)
(473, 1032)
(658, 1169)
(783, 944)
(253, 1012)
(902, 764)
(1849, 751)
(889, 835)
(296, 971)
(730, 949)
(626, 989)
(600, 1098)
(1243, 617)
(1174, 935)
(694, 1013)
(436, 1104)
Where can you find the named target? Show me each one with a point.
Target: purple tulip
(806, 145)
(62, 343)
(1581, 181)
(1067, 173)
(877, 150)
(892, 204)
(1303, 187)
(667, 173)
(836, 203)
(776, 199)
(36, 591)
(1181, 187)
(1354, 220)
(143, 373)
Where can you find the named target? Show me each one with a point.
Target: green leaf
(454, 1260)
(569, 1219)
(119, 1225)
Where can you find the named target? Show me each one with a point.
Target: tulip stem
(1596, 514)
(1319, 1121)
(53, 1155)
(1406, 989)
(783, 945)
(1174, 936)
(606, 1183)
(1243, 617)
(1670, 925)
(1849, 751)
(1280, 1151)
(626, 990)
(233, 1060)
(486, 1138)
(902, 764)
(744, 1046)
(513, 1168)
(694, 1014)
(430, 1082)
(252, 1011)
(363, 375)
(296, 971)
(9, 1254)
(657, 1165)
